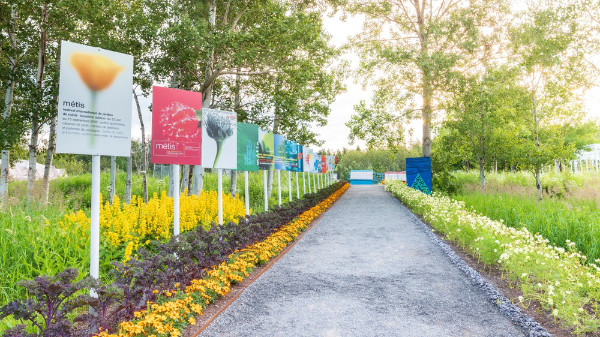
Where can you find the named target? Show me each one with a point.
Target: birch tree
(548, 47)
(410, 51)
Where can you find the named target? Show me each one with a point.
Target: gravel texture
(503, 303)
(370, 268)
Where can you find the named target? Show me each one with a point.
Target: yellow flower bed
(134, 224)
(178, 308)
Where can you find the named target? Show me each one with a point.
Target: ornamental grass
(562, 280)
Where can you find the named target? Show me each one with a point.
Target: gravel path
(367, 268)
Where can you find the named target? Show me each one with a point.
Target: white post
(304, 182)
(289, 186)
(265, 188)
(314, 182)
(297, 186)
(220, 191)
(246, 193)
(279, 185)
(176, 195)
(95, 222)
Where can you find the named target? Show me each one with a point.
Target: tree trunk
(185, 178)
(8, 103)
(49, 157)
(272, 170)
(538, 182)
(128, 181)
(190, 184)
(207, 94)
(482, 173)
(31, 171)
(198, 179)
(33, 145)
(427, 110)
(144, 150)
(233, 185)
(538, 179)
(426, 85)
(560, 166)
(113, 178)
(237, 103)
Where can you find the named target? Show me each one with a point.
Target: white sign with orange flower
(94, 101)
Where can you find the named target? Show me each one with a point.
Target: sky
(335, 133)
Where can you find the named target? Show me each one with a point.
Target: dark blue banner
(418, 174)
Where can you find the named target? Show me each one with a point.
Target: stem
(92, 119)
(219, 148)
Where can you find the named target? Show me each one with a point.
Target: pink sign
(176, 126)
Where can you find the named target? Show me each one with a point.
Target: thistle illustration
(219, 128)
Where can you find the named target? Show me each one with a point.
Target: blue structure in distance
(361, 177)
(418, 174)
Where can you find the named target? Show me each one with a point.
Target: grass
(563, 185)
(556, 220)
(569, 210)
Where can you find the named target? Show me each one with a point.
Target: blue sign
(418, 174)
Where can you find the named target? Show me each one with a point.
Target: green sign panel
(247, 147)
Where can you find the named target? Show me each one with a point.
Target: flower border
(560, 280)
(178, 308)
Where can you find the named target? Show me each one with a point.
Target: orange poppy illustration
(97, 71)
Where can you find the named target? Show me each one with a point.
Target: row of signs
(184, 133)
(94, 117)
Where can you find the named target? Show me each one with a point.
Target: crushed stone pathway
(365, 269)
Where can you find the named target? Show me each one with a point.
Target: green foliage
(556, 220)
(412, 51)
(561, 185)
(377, 160)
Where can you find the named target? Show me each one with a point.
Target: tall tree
(410, 51)
(9, 130)
(482, 117)
(548, 47)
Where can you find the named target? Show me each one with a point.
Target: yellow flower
(97, 71)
